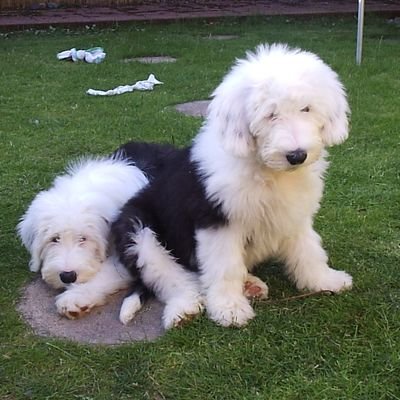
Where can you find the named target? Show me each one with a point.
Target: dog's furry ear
(336, 126)
(35, 262)
(28, 235)
(102, 248)
(227, 112)
(99, 232)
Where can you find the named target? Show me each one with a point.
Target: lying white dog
(245, 191)
(66, 229)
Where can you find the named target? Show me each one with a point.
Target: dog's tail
(134, 301)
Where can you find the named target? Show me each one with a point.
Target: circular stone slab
(151, 60)
(100, 326)
(194, 108)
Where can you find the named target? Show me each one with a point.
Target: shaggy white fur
(262, 151)
(66, 230)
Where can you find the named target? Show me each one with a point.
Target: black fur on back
(173, 205)
(151, 158)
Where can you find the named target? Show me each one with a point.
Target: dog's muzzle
(68, 277)
(296, 157)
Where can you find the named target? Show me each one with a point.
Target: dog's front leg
(307, 264)
(80, 298)
(223, 274)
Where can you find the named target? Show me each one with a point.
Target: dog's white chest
(272, 210)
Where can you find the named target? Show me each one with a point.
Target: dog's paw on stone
(72, 305)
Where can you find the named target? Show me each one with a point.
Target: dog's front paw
(180, 310)
(255, 288)
(230, 310)
(73, 304)
(330, 279)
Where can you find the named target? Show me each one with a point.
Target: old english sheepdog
(246, 190)
(66, 229)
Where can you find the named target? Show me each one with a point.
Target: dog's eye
(55, 239)
(82, 239)
(305, 109)
(272, 116)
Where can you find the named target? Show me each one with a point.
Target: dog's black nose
(68, 277)
(296, 157)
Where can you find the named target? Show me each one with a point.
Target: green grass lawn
(321, 347)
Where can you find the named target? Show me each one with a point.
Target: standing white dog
(67, 231)
(245, 191)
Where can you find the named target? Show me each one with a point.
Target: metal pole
(360, 27)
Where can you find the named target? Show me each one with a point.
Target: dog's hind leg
(255, 288)
(171, 283)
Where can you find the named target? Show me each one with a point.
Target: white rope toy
(148, 84)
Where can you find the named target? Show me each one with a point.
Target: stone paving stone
(194, 108)
(100, 326)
